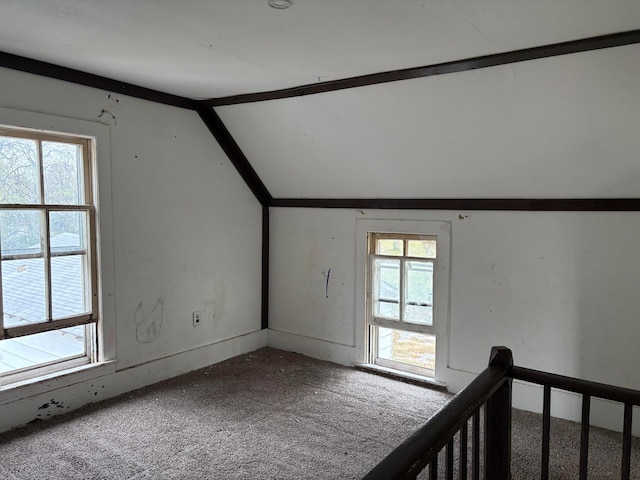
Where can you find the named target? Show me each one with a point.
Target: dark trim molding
(253, 181)
(24, 64)
(516, 204)
(564, 48)
(265, 268)
(233, 151)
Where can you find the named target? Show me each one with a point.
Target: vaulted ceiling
(556, 127)
(214, 48)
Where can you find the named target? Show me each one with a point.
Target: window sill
(400, 375)
(45, 383)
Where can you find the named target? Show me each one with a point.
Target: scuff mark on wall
(104, 111)
(148, 324)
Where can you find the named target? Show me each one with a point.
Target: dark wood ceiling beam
(235, 154)
(535, 53)
(505, 204)
(29, 65)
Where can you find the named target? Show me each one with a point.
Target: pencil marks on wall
(148, 324)
(326, 287)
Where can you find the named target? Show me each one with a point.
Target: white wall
(185, 232)
(564, 126)
(558, 288)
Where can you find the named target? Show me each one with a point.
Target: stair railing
(629, 398)
(492, 389)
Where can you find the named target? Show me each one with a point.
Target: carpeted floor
(266, 415)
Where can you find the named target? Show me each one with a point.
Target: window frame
(405, 223)
(91, 319)
(375, 322)
(388, 322)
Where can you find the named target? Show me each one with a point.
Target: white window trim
(442, 278)
(102, 196)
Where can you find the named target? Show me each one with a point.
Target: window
(402, 294)
(401, 291)
(49, 296)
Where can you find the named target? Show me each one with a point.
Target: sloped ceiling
(214, 48)
(556, 127)
(562, 127)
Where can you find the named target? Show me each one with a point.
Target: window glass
(27, 352)
(23, 292)
(422, 248)
(69, 286)
(390, 246)
(410, 348)
(20, 232)
(62, 164)
(419, 292)
(19, 171)
(67, 231)
(387, 288)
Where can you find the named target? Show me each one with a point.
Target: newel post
(498, 421)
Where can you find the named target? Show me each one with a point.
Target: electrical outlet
(196, 319)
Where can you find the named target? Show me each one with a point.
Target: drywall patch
(148, 325)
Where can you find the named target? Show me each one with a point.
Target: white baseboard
(52, 399)
(458, 379)
(313, 347)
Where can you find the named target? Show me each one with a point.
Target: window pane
(422, 248)
(23, 292)
(62, 163)
(418, 293)
(386, 288)
(19, 171)
(390, 247)
(407, 347)
(67, 231)
(68, 290)
(33, 350)
(20, 232)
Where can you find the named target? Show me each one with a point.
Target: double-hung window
(402, 332)
(49, 295)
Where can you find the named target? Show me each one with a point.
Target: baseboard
(458, 379)
(312, 347)
(51, 400)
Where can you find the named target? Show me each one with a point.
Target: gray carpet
(266, 415)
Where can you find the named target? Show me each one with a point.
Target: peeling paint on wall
(148, 324)
(46, 409)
